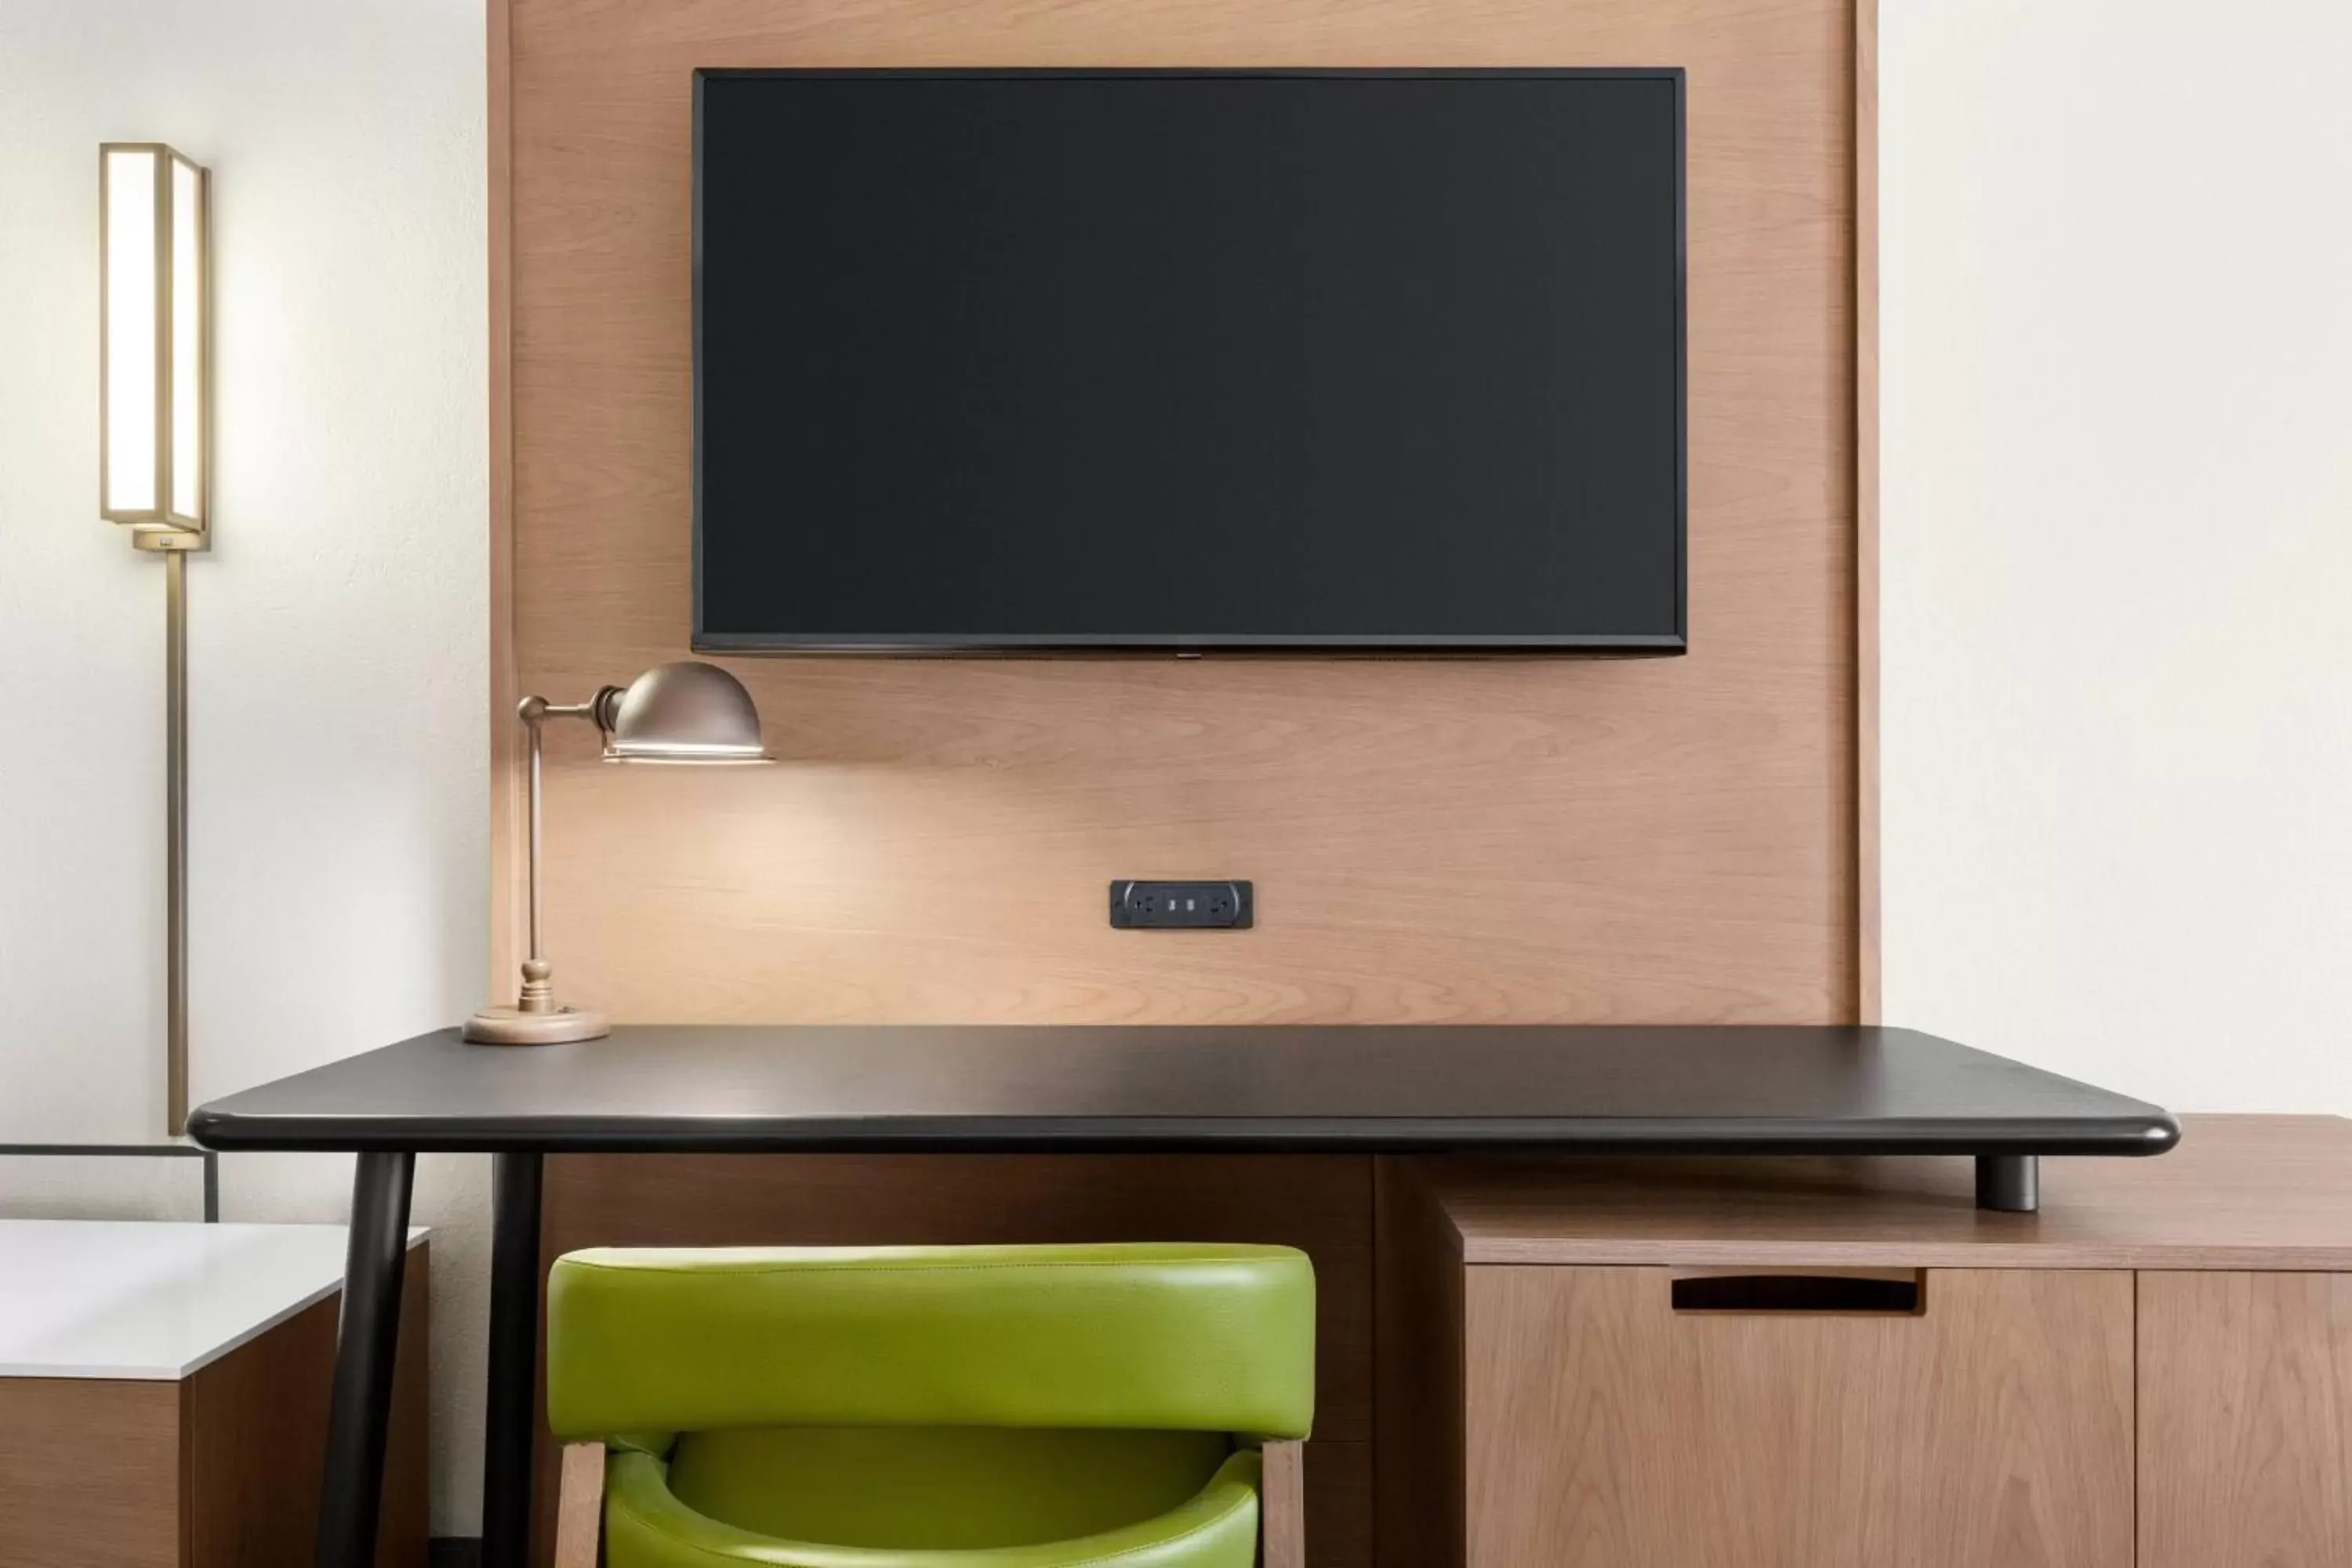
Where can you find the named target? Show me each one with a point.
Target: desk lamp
(688, 712)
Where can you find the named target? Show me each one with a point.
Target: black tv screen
(1027, 360)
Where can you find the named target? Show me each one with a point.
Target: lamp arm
(531, 710)
(599, 710)
(534, 711)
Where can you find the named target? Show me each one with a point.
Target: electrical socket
(1181, 906)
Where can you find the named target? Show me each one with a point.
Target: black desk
(1366, 1090)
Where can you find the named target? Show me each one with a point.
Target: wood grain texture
(1321, 1204)
(2245, 1420)
(1506, 839)
(90, 1473)
(1653, 840)
(1417, 1373)
(1606, 1429)
(1282, 1507)
(2239, 1192)
(255, 1423)
(1868, 995)
(1339, 1529)
(580, 1506)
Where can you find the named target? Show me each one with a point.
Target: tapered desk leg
(2011, 1183)
(367, 1340)
(513, 1422)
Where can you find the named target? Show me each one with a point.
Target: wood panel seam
(506, 783)
(2137, 1437)
(1869, 910)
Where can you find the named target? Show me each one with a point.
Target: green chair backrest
(646, 1342)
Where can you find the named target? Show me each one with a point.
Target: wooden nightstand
(164, 1395)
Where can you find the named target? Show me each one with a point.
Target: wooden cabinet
(1844, 1364)
(164, 1392)
(2245, 1420)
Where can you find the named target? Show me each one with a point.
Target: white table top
(152, 1300)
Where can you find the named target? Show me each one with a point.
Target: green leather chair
(931, 1407)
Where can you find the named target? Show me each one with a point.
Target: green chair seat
(933, 1407)
(648, 1526)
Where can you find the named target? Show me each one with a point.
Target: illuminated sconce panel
(154, 344)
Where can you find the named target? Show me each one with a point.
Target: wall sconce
(155, 233)
(154, 344)
(689, 713)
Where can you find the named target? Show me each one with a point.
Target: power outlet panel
(1180, 906)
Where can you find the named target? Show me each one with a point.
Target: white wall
(2116, 247)
(337, 634)
(2118, 323)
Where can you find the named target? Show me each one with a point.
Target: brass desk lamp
(691, 713)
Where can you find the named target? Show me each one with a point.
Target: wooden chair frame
(1282, 1507)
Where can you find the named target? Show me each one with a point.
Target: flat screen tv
(1033, 360)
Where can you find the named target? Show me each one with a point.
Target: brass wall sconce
(154, 343)
(155, 462)
(691, 713)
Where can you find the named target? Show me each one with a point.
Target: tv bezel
(1018, 643)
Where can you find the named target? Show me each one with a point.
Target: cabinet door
(2245, 1420)
(1991, 1427)
(90, 1473)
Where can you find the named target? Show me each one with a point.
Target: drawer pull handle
(1878, 1292)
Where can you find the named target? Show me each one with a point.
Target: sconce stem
(175, 842)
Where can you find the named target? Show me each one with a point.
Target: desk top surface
(1366, 1088)
(152, 1301)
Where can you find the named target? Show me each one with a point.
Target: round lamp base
(514, 1026)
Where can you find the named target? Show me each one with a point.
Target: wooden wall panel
(1653, 840)
(1867, 914)
(1478, 840)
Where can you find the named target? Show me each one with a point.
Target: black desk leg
(2011, 1183)
(366, 1342)
(513, 1422)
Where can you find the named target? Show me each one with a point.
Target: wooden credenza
(1813, 1363)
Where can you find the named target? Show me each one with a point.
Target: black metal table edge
(2121, 1136)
